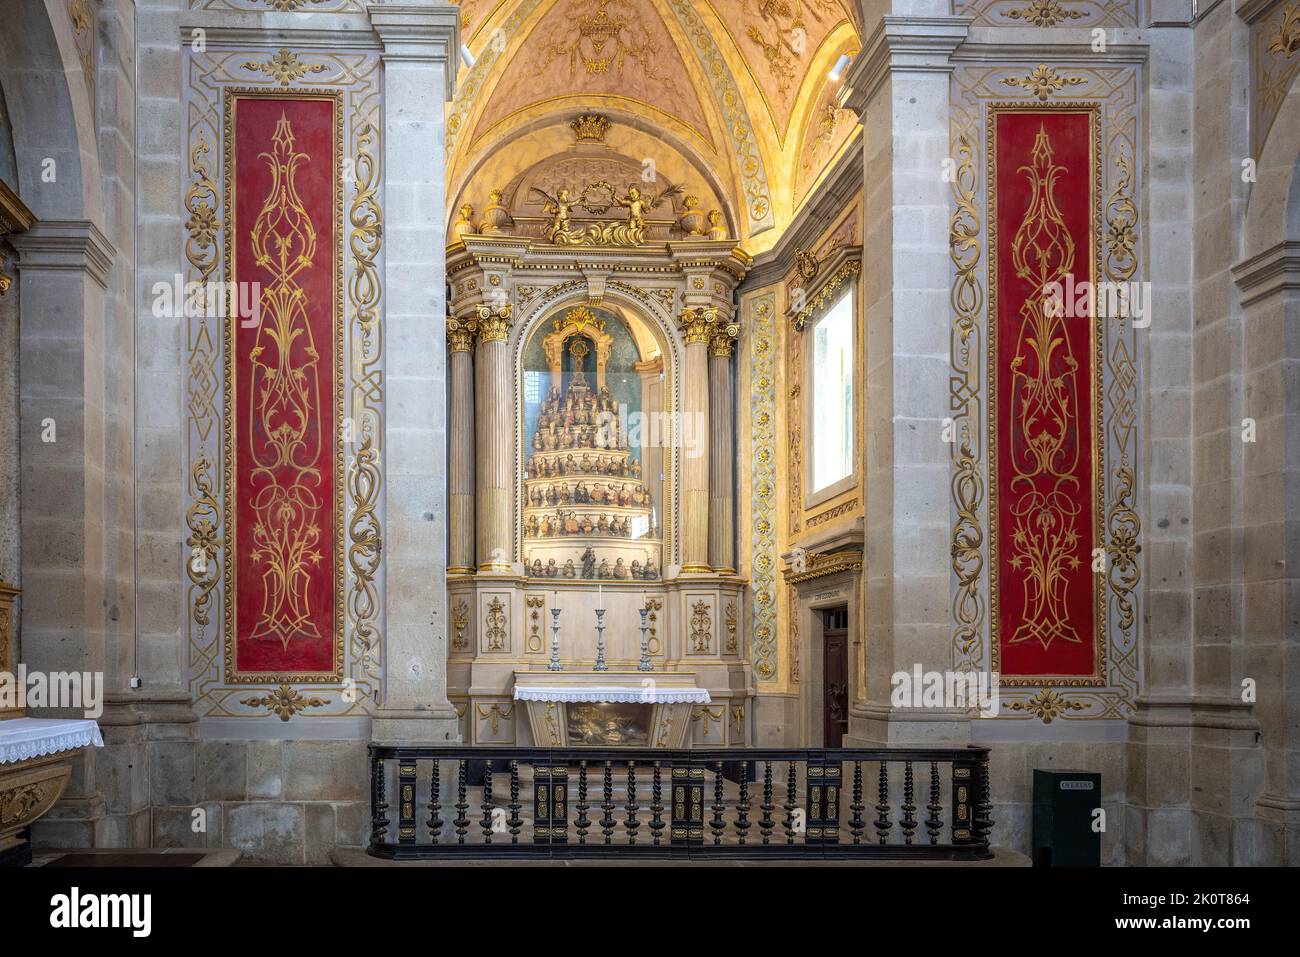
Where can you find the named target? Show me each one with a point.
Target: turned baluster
(515, 823)
(435, 820)
(631, 806)
(856, 824)
(934, 823)
(742, 808)
(462, 805)
(908, 823)
(765, 823)
(487, 804)
(583, 821)
(607, 805)
(882, 809)
(379, 816)
(790, 804)
(982, 825)
(718, 823)
(656, 805)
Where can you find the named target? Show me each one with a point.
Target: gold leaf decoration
(285, 67)
(285, 702)
(1043, 82)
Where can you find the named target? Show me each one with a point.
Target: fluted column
(495, 456)
(460, 450)
(722, 532)
(697, 326)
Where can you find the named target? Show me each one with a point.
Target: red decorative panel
(1044, 368)
(283, 389)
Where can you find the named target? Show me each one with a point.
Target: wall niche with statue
(595, 427)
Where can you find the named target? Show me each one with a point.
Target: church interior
(863, 430)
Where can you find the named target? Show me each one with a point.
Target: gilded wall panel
(352, 77)
(1113, 91)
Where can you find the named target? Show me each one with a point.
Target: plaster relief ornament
(717, 228)
(691, 220)
(559, 206)
(464, 224)
(495, 217)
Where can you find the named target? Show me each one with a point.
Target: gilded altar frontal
(817, 433)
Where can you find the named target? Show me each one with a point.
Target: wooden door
(835, 710)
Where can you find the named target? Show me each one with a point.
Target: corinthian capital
(494, 322)
(460, 334)
(697, 323)
(723, 337)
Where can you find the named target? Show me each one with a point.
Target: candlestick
(600, 641)
(555, 642)
(645, 664)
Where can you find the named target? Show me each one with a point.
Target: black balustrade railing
(450, 802)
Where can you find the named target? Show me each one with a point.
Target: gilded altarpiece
(284, 598)
(1045, 407)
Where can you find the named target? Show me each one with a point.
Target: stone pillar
(494, 447)
(722, 522)
(900, 89)
(419, 59)
(697, 326)
(64, 275)
(460, 446)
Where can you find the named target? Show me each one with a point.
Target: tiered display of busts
(588, 513)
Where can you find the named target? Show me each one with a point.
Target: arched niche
(568, 352)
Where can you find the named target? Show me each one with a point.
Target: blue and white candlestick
(600, 641)
(645, 664)
(555, 642)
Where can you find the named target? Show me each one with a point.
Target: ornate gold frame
(670, 542)
(1096, 358)
(230, 95)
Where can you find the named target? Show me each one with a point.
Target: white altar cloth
(646, 694)
(24, 738)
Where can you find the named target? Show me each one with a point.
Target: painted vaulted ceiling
(732, 96)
